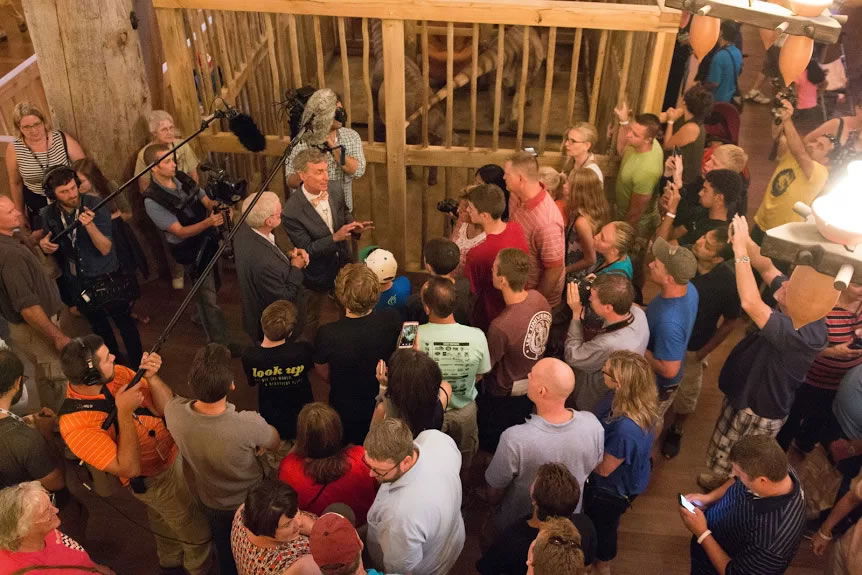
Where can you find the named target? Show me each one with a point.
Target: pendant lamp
(767, 37)
(794, 57)
(703, 35)
(810, 295)
(809, 8)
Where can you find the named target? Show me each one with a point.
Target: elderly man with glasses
(415, 524)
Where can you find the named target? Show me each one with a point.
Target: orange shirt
(83, 433)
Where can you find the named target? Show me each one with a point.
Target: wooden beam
(396, 129)
(658, 71)
(231, 90)
(596, 15)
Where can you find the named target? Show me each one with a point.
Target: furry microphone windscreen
(247, 132)
(321, 106)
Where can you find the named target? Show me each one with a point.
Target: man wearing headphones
(90, 280)
(137, 449)
(30, 303)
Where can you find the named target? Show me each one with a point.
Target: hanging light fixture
(703, 34)
(809, 8)
(794, 57)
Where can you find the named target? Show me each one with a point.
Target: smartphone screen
(408, 334)
(686, 503)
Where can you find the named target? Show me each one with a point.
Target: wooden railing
(23, 83)
(553, 73)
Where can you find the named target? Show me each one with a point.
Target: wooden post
(658, 70)
(94, 76)
(396, 143)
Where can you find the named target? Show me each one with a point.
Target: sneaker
(710, 481)
(757, 97)
(178, 283)
(672, 440)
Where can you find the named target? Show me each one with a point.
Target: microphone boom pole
(220, 114)
(112, 416)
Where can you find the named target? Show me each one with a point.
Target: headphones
(92, 375)
(47, 188)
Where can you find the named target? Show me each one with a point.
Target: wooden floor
(652, 539)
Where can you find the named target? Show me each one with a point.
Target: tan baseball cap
(679, 261)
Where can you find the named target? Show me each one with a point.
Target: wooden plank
(450, 85)
(474, 86)
(231, 90)
(278, 89)
(498, 86)
(295, 71)
(396, 172)
(522, 88)
(227, 143)
(659, 69)
(345, 70)
(561, 13)
(627, 64)
(366, 78)
(549, 87)
(426, 81)
(573, 76)
(597, 76)
(318, 49)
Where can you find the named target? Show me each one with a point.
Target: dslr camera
(448, 206)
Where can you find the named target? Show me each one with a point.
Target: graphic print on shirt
(454, 360)
(537, 335)
(278, 376)
(782, 182)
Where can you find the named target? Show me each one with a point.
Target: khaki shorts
(460, 424)
(689, 387)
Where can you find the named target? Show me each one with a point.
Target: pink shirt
(544, 229)
(806, 92)
(59, 549)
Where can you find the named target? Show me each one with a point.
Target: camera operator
(91, 279)
(799, 176)
(187, 217)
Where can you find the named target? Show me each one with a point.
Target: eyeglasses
(572, 141)
(32, 126)
(375, 471)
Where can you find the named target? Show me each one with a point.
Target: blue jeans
(212, 317)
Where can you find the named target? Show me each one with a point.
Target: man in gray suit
(319, 222)
(266, 274)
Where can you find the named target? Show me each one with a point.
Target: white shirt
(270, 237)
(415, 524)
(322, 208)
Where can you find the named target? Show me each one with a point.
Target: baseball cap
(679, 261)
(333, 541)
(383, 264)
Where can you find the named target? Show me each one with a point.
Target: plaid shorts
(732, 425)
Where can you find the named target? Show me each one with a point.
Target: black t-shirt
(352, 347)
(281, 376)
(697, 226)
(508, 554)
(24, 454)
(463, 304)
(764, 370)
(718, 298)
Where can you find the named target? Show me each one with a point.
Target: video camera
(221, 189)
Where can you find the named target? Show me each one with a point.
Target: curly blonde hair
(636, 396)
(587, 198)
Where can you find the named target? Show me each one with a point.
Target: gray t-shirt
(588, 358)
(220, 449)
(578, 444)
(415, 524)
(461, 352)
(24, 454)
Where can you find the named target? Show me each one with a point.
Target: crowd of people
(526, 372)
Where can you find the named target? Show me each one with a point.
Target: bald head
(555, 376)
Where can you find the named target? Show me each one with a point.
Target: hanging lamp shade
(767, 37)
(809, 8)
(703, 35)
(794, 57)
(810, 295)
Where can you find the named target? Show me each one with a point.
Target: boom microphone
(244, 128)
(318, 116)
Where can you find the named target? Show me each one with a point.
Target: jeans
(220, 521)
(121, 314)
(809, 416)
(605, 509)
(212, 317)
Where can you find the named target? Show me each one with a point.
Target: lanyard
(12, 415)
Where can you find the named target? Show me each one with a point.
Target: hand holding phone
(407, 337)
(686, 503)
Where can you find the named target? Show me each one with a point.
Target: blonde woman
(624, 471)
(588, 211)
(578, 144)
(613, 244)
(28, 157)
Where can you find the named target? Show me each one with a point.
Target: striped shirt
(82, 431)
(760, 534)
(544, 229)
(826, 372)
(33, 165)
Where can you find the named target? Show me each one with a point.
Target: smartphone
(675, 151)
(686, 503)
(407, 337)
(857, 344)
